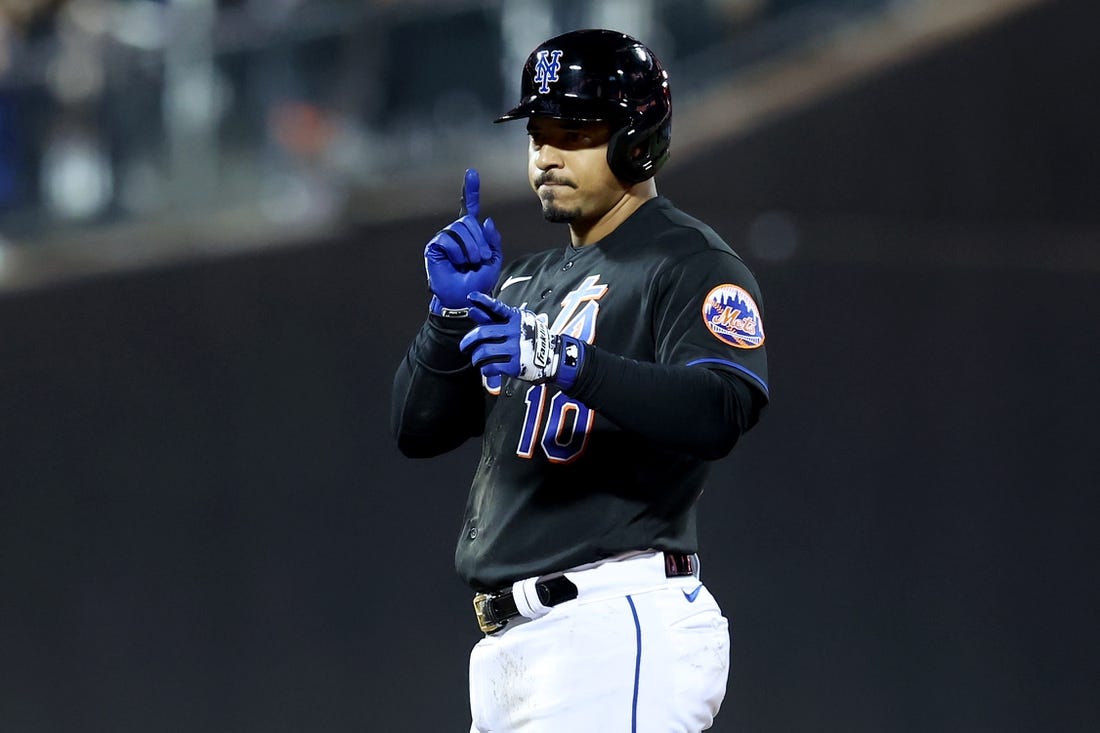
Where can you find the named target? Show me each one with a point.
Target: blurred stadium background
(211, 218)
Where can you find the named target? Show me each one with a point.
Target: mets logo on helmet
(731, 314)
(546, 69)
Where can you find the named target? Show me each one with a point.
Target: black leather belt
(493, 610)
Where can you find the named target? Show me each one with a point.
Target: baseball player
(603, 376)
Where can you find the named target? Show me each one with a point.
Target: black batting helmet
(603, 76)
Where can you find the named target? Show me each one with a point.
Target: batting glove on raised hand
(463, 257)
(514, 342)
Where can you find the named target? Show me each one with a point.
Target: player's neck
(586, 233)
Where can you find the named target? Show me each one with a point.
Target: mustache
(549, 177)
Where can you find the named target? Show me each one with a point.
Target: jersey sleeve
(708, 313)
(437, 400)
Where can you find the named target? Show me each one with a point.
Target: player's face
(567, 166)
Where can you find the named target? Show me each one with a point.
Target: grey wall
(204, 525)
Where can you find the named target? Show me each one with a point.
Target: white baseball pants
(635, 652)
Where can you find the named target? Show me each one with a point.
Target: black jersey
(559, 484)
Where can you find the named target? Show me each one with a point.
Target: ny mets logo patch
(733, 317)
(546, 69)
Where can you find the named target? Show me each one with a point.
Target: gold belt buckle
(488, 624)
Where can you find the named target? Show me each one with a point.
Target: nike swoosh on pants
(693, 595)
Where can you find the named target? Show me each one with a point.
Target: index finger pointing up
(471, 194)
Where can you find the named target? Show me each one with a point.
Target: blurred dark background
(205, 526)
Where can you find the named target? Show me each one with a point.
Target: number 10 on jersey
(563, 435)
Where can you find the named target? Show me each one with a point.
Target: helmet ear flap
(635, 155)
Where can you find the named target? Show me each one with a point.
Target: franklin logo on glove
(515, 342)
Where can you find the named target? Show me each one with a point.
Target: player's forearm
(692, 409)
(438, 402)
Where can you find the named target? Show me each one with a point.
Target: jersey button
(472, 534)
(545, 293)
(567, 266)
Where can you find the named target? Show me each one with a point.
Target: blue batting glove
(463, 257)
(514, 342)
